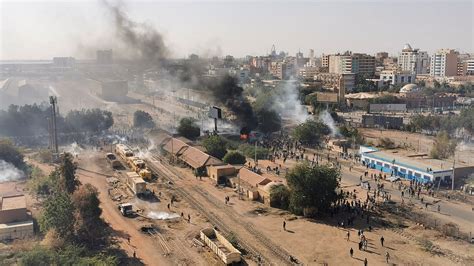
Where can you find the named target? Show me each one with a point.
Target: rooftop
(13, 202)
(253, 178)
(419, 162)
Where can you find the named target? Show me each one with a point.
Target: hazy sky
(43, 29)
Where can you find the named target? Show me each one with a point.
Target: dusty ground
(313, 242)
(417, 142)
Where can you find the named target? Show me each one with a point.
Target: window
(417, 174)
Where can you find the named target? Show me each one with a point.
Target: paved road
(451, 211)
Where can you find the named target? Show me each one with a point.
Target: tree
(58, 213)
(386, 99)
(234, 157)
(443, 147)
(280, 197)
(38, 256)
(310, 132)
(68, 173)
(312, 188)
(250, 150)
(89, 226)
(10, 154)
(215, 146)
(143, 119)
(188, 128)
(90, 120)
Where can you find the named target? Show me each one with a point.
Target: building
(325, 60)
(335, 81)
(382, 121)
(380, 56)
(444, 63)
(411, 166)
(469, 67)
(104, 57)
(413, 60)
(219, 173)
(15, 222)
(395, 77)
(281, 70)
(308, 72)
(352, 63)
(242, 74)
(390, 63)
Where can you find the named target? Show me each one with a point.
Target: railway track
(275, 250)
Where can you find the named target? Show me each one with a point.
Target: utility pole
(256, 152)
(452, 180)
(53, 101)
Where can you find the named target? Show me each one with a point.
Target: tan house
(15, 222)
(219, 172)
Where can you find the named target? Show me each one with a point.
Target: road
(451, 211)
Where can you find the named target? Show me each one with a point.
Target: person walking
(348, 235)
(439, 208)
(284, 225)
(128, 239)
(366, 262)
(351, 251)
(381, 240)
(387, 256)
(189, 218)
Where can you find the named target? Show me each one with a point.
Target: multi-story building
(308, 72)
(413, 60)
(279, 70)
(395, 77)
(469, 67)
(325, 60)
(344, 81)
(380, 57)
(444, 63)
(352, 63)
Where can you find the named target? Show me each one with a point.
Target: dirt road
(146, 249)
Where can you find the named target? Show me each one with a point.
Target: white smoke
(327, 119)
(288, 104)
(8, 172)
(157, 215)
(146, 153)
(73, 149)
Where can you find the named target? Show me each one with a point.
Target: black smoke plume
(227, 92)
(142, 40)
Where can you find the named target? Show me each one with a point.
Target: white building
(444, 63)
(413, 60)
(395, 77)
(469, 67)
(412, 168)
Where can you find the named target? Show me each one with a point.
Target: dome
(407, 47)
(409, 88)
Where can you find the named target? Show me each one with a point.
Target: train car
(221, 246)
(112, 160)
(136, 183)
(124, 152)
(140, 168)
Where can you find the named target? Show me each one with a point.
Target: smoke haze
(8, 172)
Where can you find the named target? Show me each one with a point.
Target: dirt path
(146, 250)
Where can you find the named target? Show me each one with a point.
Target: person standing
(351, 251)
(381, 240)
(284, 225)
(366, 262)
(387, 256)
(348, 235)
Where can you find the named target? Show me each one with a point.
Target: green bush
(234, 157)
